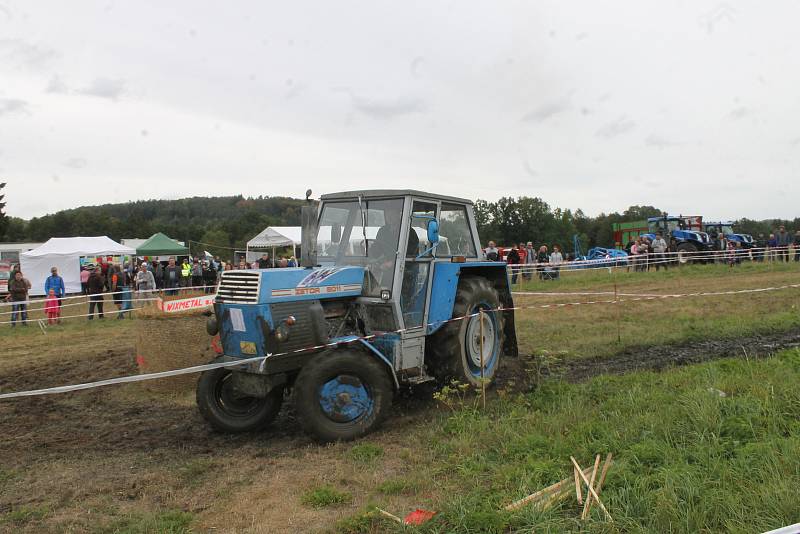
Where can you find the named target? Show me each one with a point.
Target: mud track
(660, 357)
(107, 419)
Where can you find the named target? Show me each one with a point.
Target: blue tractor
(684, 235)
(596, 256)
(392, 291)
(726, 229)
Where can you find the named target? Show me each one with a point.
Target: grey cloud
(616, 128)
(76, 163)
(415, 65)
(739, 113)
(56, 85)
(24, 54)
(721, 13)
(386, 108)
(657, 141)
(104, 88)
(12, 105)
(545, 112)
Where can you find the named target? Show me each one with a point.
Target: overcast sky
(691, 106)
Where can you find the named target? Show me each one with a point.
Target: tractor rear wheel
(686, 253)
(227, 410)
(342, 395)
(454, 351)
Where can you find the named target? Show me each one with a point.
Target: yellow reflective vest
(186, 270)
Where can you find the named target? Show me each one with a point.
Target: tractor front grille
(239, 287)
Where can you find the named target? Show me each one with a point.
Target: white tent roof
(79, 246)
(276, 236)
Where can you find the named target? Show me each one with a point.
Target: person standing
(51, 308)
(797, 245)
(491, 253)
(209, 277)
(659, 251)
(84, 279)
(530, 260)
(94, 286)
(56, 283)
(556, 259)
(119, 288)
(197, 274)
(186, 273)
(542, 258)
(513, 261)
(263, 261)
(172, 277)
(158, 274)
(145, 282)
(772, 247)
(760, 248)
(18, 288)
(783, 239)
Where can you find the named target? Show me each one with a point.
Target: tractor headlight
(211, 326)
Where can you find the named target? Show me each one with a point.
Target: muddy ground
(116, 447)
(102, 419)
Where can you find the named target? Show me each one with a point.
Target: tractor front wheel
(455, 349)
(227, 410)
(342, 395)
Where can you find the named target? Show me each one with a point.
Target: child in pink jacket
(51, 307)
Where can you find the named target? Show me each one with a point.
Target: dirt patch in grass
(656, 358)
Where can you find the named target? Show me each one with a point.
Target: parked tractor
(726, 229)
(684, 235)
(379, 303)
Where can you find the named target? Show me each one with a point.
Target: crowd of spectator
(524, 260)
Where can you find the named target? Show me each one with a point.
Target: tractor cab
(391, 291)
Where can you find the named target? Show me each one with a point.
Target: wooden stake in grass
(591, 490)
(393, 517)
(483, 382)
(553, 491)
(577, 485)
(588, 502)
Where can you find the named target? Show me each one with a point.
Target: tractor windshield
(659, 224)
(362, 233)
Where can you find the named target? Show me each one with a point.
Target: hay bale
(171, 341)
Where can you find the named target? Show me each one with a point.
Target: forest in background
(223, 223)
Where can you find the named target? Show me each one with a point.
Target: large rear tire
(342, 395)
(454, 350)
(227, 410)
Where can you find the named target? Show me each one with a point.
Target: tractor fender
(445, 287)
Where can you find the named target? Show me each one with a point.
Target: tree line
(219, 224)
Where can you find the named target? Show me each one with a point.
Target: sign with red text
(179, 305)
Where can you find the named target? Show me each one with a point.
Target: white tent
(65, 253)
(276, 236)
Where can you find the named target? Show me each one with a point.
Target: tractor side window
(454, 230)
(421, 215)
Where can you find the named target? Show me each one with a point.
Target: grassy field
(128, 459)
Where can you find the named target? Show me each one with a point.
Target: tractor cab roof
(672, 218)
(384, 193)
(718, 223)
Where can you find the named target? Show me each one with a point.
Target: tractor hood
(264, 286)
(279, 285)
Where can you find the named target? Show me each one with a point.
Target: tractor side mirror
(433, 231)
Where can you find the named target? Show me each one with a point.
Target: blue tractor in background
(726, 229)
(596, 256)
(684, 235)
(385, 277)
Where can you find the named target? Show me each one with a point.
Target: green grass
(325, 496)
(365, 453)
(604, 329)
(165, 522)
(23, 515)
(686, 459)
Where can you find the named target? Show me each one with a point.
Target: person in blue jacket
(56, 283)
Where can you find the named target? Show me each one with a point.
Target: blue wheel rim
(345, 398)
(491, 336)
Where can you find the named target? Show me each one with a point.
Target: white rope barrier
(263, 359)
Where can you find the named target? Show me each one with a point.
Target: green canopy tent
(161, 245)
